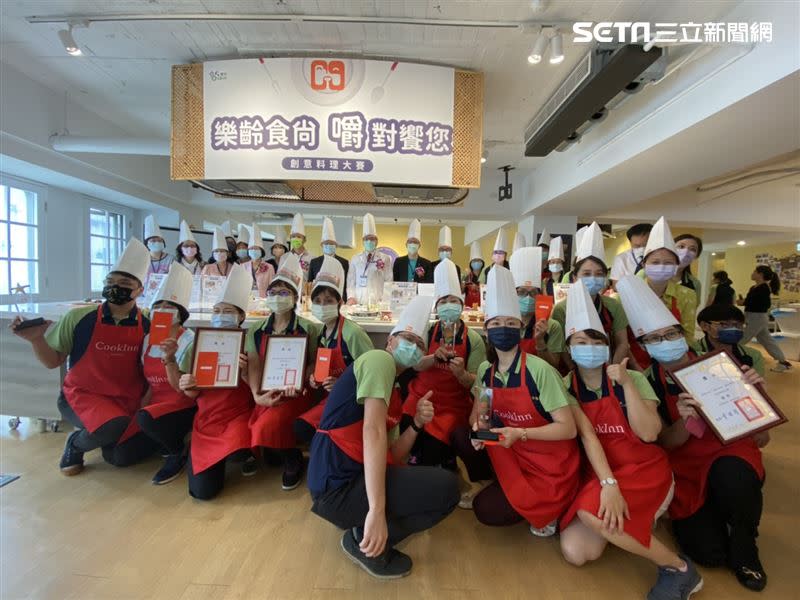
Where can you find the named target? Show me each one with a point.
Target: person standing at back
(369, 269)
(445, 250)
(154, 240)
(329, 246)
(471, 282)
(297, 241)
(631, 261)
(756, 314)
(722, 291)
(412, 267)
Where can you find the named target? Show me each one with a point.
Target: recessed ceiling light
(741, 243)
(70, 45)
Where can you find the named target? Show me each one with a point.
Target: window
(19, 240)
(106, 241)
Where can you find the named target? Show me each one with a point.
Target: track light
(70, 45)
(539, 46)
(556, 49)
(484, 156)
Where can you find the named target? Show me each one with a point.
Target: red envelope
(544, 306)
(206, 369)
(160, 325)
(322, 369)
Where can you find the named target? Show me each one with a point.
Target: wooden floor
(109, 533)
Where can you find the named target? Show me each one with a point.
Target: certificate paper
(285, 363)
(216, 357)
(733, 408)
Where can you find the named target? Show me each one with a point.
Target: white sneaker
(546, 531)
(780, 368)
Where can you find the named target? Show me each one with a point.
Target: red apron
(692, 460)
(220, 426)
(313, 416)
(539, 478)
(273, 426)
(350, 438)
(528, 343)
(107, 381)
(642, 470)
(473, 295)
(452, 402)
(164, 399)
(640, 355)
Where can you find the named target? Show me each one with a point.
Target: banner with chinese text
(328, 119)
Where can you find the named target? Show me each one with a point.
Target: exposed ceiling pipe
(110, 145)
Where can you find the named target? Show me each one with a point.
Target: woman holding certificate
(213, 369)
(718, 499)
(277, 370)
(454, 354)
(340, 342)
(523, 437)
(630, 483)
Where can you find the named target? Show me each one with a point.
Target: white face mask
(660, 273)
(220, 257)
(686, 256)
(325, 312)
(280, 304)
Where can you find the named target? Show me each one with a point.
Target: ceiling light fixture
(484, 156)
(70, 45)
(539, 46)
(741, 243)
(556, 49)
(713, 254)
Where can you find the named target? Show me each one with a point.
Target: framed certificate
(732, 407)
(215, 363)
(285, 362)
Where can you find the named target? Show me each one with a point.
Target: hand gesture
(442, 354)
(477, 444)
(169, 347)
(328, 383)
(424, 414)
(313, 382)
(540, 329)
(270, 398)
(508, 435)
(187, 382)
(751, 376)
(619, 373)
(687, 406)
(457, 367)
(376, 533)
(613, 509)
(31, 333)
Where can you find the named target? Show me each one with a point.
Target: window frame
(127, 222)
(40, 227)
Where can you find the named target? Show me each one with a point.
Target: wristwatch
(608, 481)
(415, 428)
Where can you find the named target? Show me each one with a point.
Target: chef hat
(331, 274)
(519, 242)
(414, 230)
(257, 239)
(328, 232)
(237, 287)
(445, 237)
(280, 236)
(544, 238)
(151, 228)
(134, 260)
(501, 294)
(219, 240)
(415, 318)
(368, 228)
(176, 287)
(556, 248)
(445, 280)
(591, 244)
(646, 311)
(298, 225)
(579, 236)
(289, 271)
(475, 251)
(526, 267)
(581, 313)
(244, 235)
(186, 234)
(501, 242)
(226, 229)
(660, 237)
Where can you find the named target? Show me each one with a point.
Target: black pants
(416, 500)
(734, 500)
(168, 430)
(303, 431)
(207, 484)
(427, 450)
(131, 451)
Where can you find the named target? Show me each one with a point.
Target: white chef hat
(331, 274)
(646, 311)
(289, 271)
(368, 228)
(176, 287)
(556, 248)
(280, 236)
(445, 237)
(445, 280)
(591, 244)
(134, 260)
(414, 230)
(257, 239)
(526, 267)
(581, 313)
(237, 287)
(415, 318)
(501, 294)
(328, 232)
(298, 225)
(219, 240)
(244, 235)
(151, 228)
(660, 237)
(501, 242)
(519, 242)
(226, 229)
(544, 238)
(475, 251)
(186, 234)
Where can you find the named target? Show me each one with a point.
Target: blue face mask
(594, 285)
(503, 338)
(667, 351)
(476, 265)
(527, 305)
(412, 248)
(370, 245)
(730, 335)
(254, 254)
(449, 312)
(445, 254)
(329, 249)
(224, 320)
(406, 354)
(555, 267)
(589, 356)
(155, 247)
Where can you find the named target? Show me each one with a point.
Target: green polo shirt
(552, 394)
(639, 380)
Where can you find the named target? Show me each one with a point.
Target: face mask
(224, 320)
(189, 251)
(329, 249)
(589, 357)
(498, 258)
(280, 304)
(296, 243)
(406, 354)
(449, 312)
(445, 254)
(503, 338)
(667, 351)
(412, 248)
(117, 295)
(155, 247)
(686, 256)
(370, 245)
(730, 335)
(220, 257)
(594, 285)
(325, 312)
(476, 265)
(527, 305)
(555, 267)
(660, 273)
(243, 253)
(254, 254)
(545, 254)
